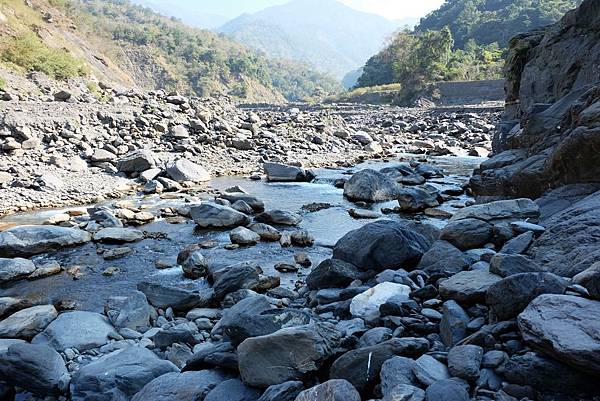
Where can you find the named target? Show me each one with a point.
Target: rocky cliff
(551, 133)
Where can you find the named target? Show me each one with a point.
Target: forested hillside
(462, 40)
(133, 45)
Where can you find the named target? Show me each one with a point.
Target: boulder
(256, 204)
(447, 390)
(505, 210)
(362, 366)
(233, 390)
(468, 286)
(10, 305)
(382, 245)
(366, 305)
(131, 311)
(370, 186)
(119, 375)
(467, 234)
(118, 235)
(35, 368)
(443, 257)
(287, 391)
(405, 392)
(245, 275)
(15, 269)
(589, 279)
(180, 299)
(415, 199)
(454, 323)
(27, 323)
(77, 329)
(506, 265)
(266, 232)
(136, 162)
(510, 296)
(195, 265)
(244, 236)
(332, 390)
(429, 370)
(210, 215)
(332, 273)
(26, 241)
(564, 327)
(277, 172)
(279, 217)
(396, 371)
(288, 354)
(183, 170)
(464, 361)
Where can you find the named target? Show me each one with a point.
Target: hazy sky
(391, 9)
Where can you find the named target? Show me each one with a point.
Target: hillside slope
(336, 39)
(116, 42)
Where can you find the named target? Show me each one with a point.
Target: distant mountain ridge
(336, 39)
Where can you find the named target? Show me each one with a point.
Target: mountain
(188, 15)
(116, 42)
(326, 34)
(489, 21)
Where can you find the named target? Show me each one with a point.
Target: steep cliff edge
(551, 133)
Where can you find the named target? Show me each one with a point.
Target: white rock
(366, 305)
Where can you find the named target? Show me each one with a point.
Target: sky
(391, 9)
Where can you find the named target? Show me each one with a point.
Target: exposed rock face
(553, 88)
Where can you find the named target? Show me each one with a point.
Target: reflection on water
(327, 226)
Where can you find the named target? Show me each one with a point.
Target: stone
(35, 368)
(118, 375)
(416, 199)
(396, 371)
(265, 231)
(287, 391)
(447, 390)
(332, 390)
(131, 311)
(469, 286)
(405, 392)
(288, 354)
(302, 238)
(233, 390)
(244, 236)
(195, 266)
(243, 275)
(506, 265)
(589, 279)
(332, 273)
(519, 244)
(24, 241)
(362, 366)
(183, 170)
(510, 296)
(382, 245)
(78, 329)
(370, 186)
(564, 327)
(454, 323)
(27, 323)
(176, 386)
(279, 217)
(10, 305)
(277, 172)
(429, 370)
(366, 305)
(118, 235)
(467, 234)
(464, 361)
(256, 204)
(180, 299)
(15, 269)
(102, 155)
(209, 215)
(137, 161)
(443, 257)
(505, 210)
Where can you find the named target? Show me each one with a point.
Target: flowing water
(92, 289)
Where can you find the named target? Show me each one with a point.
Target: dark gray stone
(464, 361)
(467, 233)
(332, 390)
(25, 241)
(453, 326)
(506, 265)
(332, 273)
(443, 257)
(180, 299)
(469, 286)
(287, 391)
(181, 386)
(370, 186)
(447, 390)
(396, 371)
(233, 390)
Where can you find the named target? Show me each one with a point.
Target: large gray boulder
(505, 210)
(362, 366)
(510, 296)
(288, 354)
(332, 273)
(416, 199)
(180, 299)
(183, 170)
(382, 245)
(24, 241)
(78, 329)
(132, 311)
(468, 286)
(443, 257)
(332, 390)
(280, 217)
(371, 186)
(277, 172)
(119, 375)
(210, 215)
(35, 368)
(181, 386)
(467, 233)
(27, 323)
(15, 269)
(117, 235)
(137, 161)
(233, 390)
(566, 328)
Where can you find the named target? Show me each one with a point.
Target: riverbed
(165, 239)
